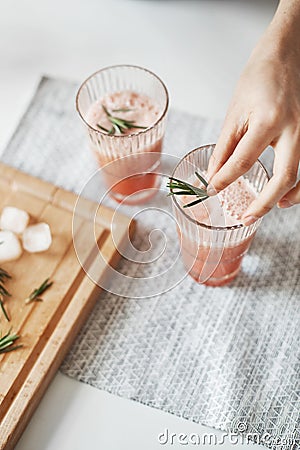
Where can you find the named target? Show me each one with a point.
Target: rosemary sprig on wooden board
(179, 187)
(7, 341)
(35, 295)
(4, 292)
(119, 125)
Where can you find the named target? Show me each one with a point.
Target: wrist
(284, 30)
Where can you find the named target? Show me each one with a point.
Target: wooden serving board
(48, 328)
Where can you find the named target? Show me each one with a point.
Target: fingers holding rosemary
(287, 164)
(281, 189)
(291, 198)
(247, 151)
(284, 178)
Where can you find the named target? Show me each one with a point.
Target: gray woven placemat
(220, 356)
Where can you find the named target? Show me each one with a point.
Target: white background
(199, 49)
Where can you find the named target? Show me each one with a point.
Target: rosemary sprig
(36, 293)
(3, 274)
(4, 310)
(122, 110)
(179, 187)
(4, 292)
(118, 125)
(7, 341)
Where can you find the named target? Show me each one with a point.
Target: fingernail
(284, 203)
(249, 220)
(211, 190)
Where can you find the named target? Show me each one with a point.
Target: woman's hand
(265, 110)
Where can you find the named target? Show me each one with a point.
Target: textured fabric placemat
(226, 357)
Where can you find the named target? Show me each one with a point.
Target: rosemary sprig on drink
(119, 125)
(4, 292)
(179, 187)
(7, 342)
(122, 110)
(35, 295)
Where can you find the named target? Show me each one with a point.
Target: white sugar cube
(14, 219)
(37, 238)
(10, 247)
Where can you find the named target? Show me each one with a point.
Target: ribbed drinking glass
(129, 162)
(212, 254)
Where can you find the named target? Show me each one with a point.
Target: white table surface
(198, 48)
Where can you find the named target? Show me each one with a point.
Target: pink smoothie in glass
(217, 264)
(137, 171)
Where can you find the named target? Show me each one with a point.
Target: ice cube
(14, 219)
(10, 247)
(37, 238)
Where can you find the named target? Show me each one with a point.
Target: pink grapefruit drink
(126, 178)
(129, 155)
(213, 240)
